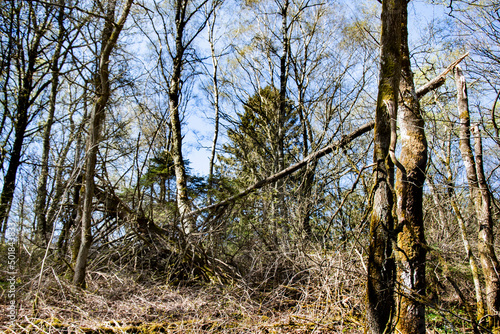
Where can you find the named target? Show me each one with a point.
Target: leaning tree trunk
(381, 266)
(411, 250)
(480, 196)
(109, 37)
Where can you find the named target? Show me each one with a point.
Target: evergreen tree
(252, 149)
(252, 154)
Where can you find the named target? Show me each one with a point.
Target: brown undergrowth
(318, 291)
(326, 299)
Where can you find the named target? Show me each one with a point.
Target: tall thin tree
(109, 37)
(184, 13)
(481, 197)
(41, 195)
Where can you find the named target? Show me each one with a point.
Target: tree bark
(183, 204)
(43, 230)
(480, 196)
(110, 35)
(381, 266)
(411, 246)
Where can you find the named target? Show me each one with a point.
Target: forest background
(247, 166)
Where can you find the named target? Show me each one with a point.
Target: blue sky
(198, 129)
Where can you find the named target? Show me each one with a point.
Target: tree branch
(287, 171)
(440, 79)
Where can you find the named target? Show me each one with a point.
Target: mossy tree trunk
(411, 249)
(480, 196)
(381, 266)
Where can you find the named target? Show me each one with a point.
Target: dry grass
(326, 298)
(317, 292)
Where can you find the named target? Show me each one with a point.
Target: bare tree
(188, 24)
(28, 47)
(215, 94)
(40, 203)
(480, 196)
(110, 34)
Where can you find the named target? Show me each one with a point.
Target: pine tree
(253, 143)
(252, 154)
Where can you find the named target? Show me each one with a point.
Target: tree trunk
(411, 245)
(487, 255)
(9, 180)
(183, 205)
(480, 311)
(381, 266)
(284, 64)
(7, 72)
(22, 117)
(215, 92)
(480, 196)
(182, 18)
(43, 230)
(110, 35)
(472, 260)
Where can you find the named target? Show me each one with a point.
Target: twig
(59, 282)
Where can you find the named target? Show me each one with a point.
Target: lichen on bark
(381, 267)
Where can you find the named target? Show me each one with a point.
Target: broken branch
(287, 171)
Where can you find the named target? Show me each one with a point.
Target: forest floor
(320, 293)
(124, 304)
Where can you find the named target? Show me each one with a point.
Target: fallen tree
(287, 171)
(429, 86)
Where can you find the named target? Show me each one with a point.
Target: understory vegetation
(322, 293)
